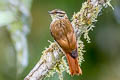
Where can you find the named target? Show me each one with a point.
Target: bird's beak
(49, 12)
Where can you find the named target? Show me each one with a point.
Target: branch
(52, 56)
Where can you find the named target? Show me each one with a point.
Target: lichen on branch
(53, 59)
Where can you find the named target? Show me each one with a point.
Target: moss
(83, 22)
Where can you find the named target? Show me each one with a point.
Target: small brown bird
(63, 33)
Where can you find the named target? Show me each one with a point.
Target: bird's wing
(63, 33)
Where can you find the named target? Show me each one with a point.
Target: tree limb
(82, 23)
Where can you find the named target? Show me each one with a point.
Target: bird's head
(57, 14)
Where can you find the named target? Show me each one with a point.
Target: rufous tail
(73, 65)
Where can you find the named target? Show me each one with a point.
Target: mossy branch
(53, 57)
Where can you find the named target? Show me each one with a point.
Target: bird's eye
(61, 16)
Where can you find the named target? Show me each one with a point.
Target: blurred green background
(102, 56)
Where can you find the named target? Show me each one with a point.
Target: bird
(63, 33)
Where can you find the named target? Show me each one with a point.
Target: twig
(82, 23)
